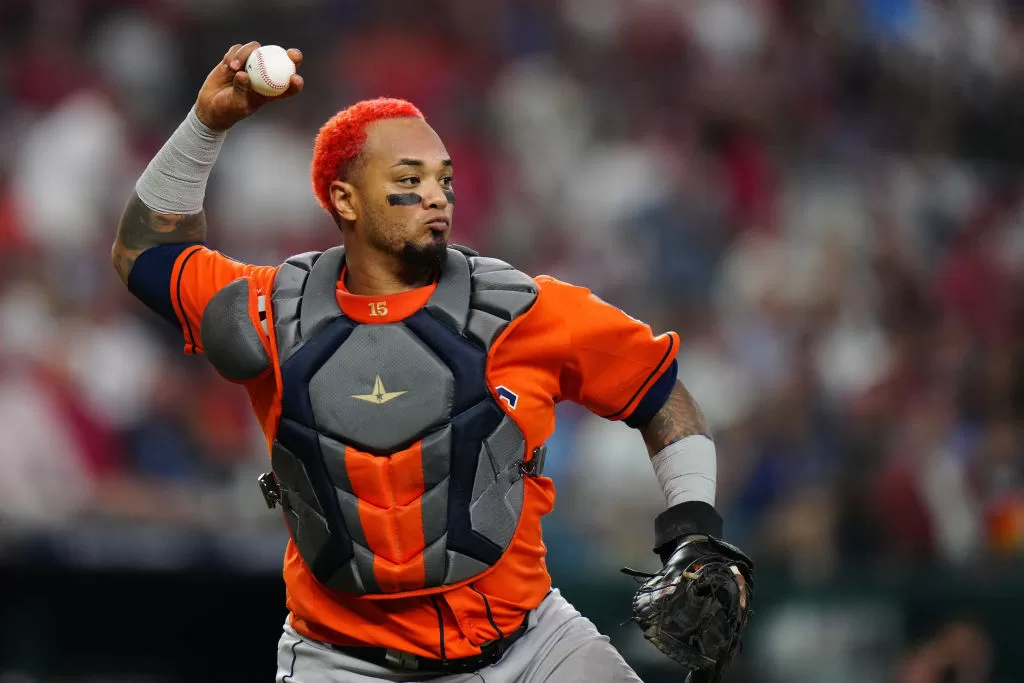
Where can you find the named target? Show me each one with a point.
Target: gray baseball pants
(559, 646)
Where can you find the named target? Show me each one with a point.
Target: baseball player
(406, 388)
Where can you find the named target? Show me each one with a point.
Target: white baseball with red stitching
(269, 68)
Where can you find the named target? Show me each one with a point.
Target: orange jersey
(570, 345)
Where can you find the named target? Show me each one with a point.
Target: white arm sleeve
(175, 180)
(687, 470)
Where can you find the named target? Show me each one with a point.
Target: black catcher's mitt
(691, 611)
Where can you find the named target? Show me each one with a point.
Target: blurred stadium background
(824, 197)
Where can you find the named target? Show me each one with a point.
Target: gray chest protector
(396, 467)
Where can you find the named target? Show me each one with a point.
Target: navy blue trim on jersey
(655, 398)
(188, 324)
(150, 279)
(490, 617)
(440, 626)
(617, 415)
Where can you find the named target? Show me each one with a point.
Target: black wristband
(685, 519)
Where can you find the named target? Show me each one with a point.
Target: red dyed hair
(341, 139)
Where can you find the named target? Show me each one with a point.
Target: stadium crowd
(822, 197)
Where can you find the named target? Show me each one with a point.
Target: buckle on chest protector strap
(270, 488)
(534, 467)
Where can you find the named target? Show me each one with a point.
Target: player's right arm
(158, 251)
(166, 207)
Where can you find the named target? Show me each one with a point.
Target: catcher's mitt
(691, 611)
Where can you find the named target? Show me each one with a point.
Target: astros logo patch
(510, 397)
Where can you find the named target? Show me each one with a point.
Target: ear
(343, 199)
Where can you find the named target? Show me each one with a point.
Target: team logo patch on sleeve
(510, 397)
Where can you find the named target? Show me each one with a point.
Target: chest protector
(398, 470)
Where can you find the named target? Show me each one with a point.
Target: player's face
(404, 191)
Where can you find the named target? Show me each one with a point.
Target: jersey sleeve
(177, 281)
(615, 365)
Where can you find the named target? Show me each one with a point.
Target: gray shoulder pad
(286, 298)
(464, 249)
(319, 301)
(450, 301)
(229, 338)
(302, 263)
(500, 294)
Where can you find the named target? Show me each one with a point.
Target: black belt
(396, 659)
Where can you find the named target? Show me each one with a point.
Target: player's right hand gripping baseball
(226, 98)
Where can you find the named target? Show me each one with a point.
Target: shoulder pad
(500, 294)
(230, 341)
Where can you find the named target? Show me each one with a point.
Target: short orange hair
(341, 139)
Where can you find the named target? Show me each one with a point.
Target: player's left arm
(685, 461)
(679, 418)
(696, 609)
(619, 369)
(700, 566)
(682, 451)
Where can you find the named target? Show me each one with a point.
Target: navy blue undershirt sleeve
(150, 279)
(655, 398)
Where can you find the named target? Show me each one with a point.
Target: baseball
(269, 68)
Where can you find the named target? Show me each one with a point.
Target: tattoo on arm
(141, 228)
(678, 418)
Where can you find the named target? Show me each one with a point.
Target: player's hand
(225, 98)
(697, 607)
(738, 573)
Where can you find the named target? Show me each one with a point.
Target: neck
(373, 273)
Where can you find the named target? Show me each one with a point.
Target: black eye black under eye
(406, 199)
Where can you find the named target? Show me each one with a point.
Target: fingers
(234, 65)
(237, 60)
(743, 586)
(230, 53)
(295, 84)
(230, 64)
(241, 82)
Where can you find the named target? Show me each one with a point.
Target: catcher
(406, 389)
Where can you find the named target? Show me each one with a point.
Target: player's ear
(343, 199)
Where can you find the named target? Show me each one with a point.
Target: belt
(396, 659)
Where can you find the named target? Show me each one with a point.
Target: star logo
(379, 395)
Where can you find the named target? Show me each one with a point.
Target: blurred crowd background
(823, 197)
